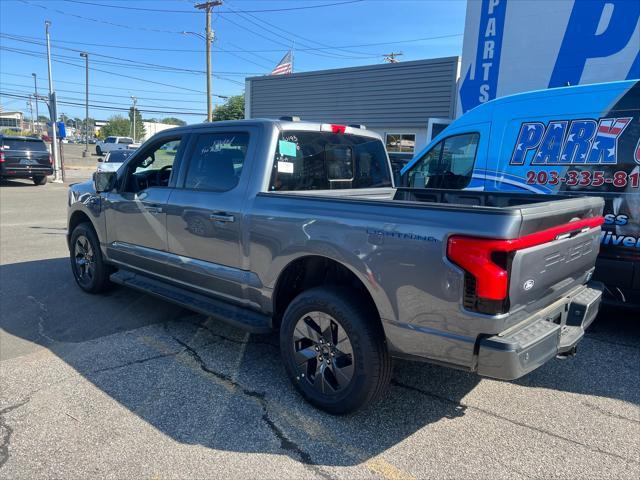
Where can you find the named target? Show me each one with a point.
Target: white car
(110, 144)
(113, 160)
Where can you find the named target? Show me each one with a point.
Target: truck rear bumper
(553, 331)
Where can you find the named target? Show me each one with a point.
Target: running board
(239, 317)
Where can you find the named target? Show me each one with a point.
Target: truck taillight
(487, 262)
(1, 157)
(50, 160)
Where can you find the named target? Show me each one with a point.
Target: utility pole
(53, 112)
(391, 57)
(85, 55)
(35, 84)
(30, 104)
(208, 7)
(133, 117)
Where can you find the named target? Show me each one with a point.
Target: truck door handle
(153, 209)
(222, 217)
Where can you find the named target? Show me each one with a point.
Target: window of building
(327, 161)
(216, 161)
(448, 164)
(401, 143)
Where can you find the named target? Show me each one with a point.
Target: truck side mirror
(104, 181)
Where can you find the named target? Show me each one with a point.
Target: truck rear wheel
(334, 350)
(89, 269)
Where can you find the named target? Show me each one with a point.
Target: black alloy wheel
(334, 349)
(84, 260)
(89, 269)
(323, 351)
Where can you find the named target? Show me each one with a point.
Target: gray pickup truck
(294, 226)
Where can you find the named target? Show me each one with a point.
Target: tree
(43, 118)
(173, 121)
(139, 125)
(232, 109)
(118, 126)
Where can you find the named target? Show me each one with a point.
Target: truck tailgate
(550, 249)
(566, 240)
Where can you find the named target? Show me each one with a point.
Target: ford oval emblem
(528, 285)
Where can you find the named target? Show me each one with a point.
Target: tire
(40, 180)
(332, 389)
(90, 271)
(98, 150)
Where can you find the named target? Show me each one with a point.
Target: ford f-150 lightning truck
(297, 227)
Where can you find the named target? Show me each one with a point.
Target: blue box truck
(579, 140)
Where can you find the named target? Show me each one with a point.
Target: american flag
(285, 66)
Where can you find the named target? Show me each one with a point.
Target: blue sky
(247, 44)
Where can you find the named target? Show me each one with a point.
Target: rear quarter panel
(398, 251)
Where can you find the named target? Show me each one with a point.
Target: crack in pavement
(260, 398)
(137, 362)
(6, 431)
(229, 339)
(514, 422)
(608, 413)
(41, 318)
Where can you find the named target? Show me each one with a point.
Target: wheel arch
(76, 218)
(312, 270)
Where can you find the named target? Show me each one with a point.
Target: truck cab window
(307, 160)
(216, 161)
(153, 167)
(448, 164)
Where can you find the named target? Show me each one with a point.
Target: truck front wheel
(98, 150)
(89, 269)
(334, 350)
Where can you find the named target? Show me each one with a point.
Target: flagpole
(293, 44)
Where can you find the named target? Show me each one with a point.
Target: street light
(53, 113)
(85, 55)
(35, 84)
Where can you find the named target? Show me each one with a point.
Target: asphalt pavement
(123, 385)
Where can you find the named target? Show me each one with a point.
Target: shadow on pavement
(21, 182)
(202, 382)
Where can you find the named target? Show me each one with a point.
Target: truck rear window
(31, 144)
(325, 161)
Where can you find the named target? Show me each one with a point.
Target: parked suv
(25, 157)
(292, 226)
(113, 143)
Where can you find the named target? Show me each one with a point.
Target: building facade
(406, 102)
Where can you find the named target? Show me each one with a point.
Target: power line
(134, 63)
(21, 85)
(277, 34)
(274, 50)
(222, 11)
(245, 13)
(130, 76)
(104, 86)
(97, 20)
(104, 107)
